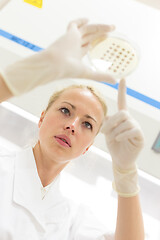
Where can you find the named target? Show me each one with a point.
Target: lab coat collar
(27, 191)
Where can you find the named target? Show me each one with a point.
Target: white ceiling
(138, 21)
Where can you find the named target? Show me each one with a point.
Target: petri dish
(115, 54)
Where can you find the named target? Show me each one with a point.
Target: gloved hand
(125, 140)
(62, 59)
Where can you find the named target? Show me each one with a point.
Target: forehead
(84, 100)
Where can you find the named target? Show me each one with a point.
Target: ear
(41, 119)
(87, 148)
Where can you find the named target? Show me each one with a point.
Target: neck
(47, 169)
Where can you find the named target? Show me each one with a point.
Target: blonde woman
(31, 205)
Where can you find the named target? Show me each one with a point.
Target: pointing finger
(122, 103)
(98, 76)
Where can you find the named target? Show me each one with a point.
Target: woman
(32, 205)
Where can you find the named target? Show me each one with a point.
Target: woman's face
(70, 125)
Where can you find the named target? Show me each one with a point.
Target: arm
(4, 91)
(129, 219)
(61, 60)
(125, 140)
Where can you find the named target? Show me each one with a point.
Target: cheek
(81, 148)
(45, 127)
(86, 141)
(42, 132)
(49, 122)
(50, 126)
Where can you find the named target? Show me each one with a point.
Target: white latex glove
(62, 59)
(125, 140)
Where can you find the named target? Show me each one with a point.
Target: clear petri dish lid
(115, 55)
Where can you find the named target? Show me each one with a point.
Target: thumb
(98, 76)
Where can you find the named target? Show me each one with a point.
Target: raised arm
(62, 59)
(125, 140)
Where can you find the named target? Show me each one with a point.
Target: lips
(65, 139)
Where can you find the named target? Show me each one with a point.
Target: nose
(71, 126)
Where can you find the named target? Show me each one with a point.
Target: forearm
(4, 91)
(129, 219)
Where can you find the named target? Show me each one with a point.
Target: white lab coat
(25, 216)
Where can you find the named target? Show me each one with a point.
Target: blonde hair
(94, 91)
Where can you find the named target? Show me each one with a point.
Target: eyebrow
(87, 116)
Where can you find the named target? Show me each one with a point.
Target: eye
(65, 111)
(88, 125)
